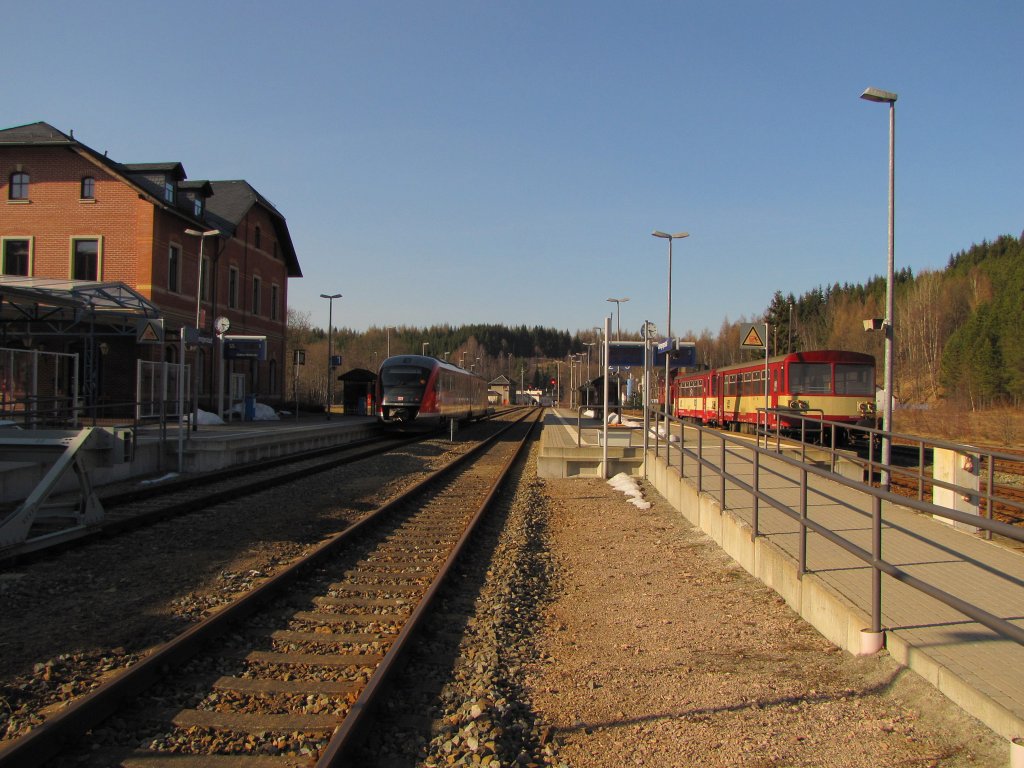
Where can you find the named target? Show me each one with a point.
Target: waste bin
(250, 408)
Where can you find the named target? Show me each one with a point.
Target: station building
(92, 250)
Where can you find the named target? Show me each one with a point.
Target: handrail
(801, 515)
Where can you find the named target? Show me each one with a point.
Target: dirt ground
(658, 650)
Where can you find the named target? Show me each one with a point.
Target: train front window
(404, 376)
(810, 377)
(855, 379)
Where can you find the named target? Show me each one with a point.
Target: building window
(88, 188)
(173, 268)
(169, 191)
(257, 238)
(233, 288)
(18, 189)
(197, 207)
(85, 259)
(273, 302)
(16, 257)
(257, 288)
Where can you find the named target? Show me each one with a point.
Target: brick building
(69, 213)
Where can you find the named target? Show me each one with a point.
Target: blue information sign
(245, 347)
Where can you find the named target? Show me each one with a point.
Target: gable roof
(232, 200)
(227, 205)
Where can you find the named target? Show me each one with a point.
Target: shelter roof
(33, 296)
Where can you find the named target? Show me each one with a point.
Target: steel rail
(348, 733)
(47, 740)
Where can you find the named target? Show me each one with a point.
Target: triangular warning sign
(149, 331)
(753, 339)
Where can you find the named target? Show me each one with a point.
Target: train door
(718, 381)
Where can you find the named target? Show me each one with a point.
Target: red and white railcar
(825, 384)
(416, 391)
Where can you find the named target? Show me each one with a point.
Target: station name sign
(245, 347)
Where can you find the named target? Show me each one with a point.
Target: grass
(996, 427)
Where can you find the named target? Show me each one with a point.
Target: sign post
(755, 336)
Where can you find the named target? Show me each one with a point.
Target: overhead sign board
(681, 354)
(245, 347)
(625, 354)
(197, 336)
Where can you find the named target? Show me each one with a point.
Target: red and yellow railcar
(833, 385)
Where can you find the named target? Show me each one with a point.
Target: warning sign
(149, 331)
(754, 336)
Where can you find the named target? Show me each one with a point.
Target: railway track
(132, 506)
(288, 674)
(138, 506)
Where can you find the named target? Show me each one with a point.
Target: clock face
(222, 324)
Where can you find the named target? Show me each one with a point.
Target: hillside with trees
(957, 335)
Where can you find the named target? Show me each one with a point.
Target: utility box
(962, 470)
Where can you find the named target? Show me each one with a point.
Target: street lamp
(388, 329)
(885, 97)
(199, 278)
(668, 328)
(330, 348)
(618, 318)
(199, 295)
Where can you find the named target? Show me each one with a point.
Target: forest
(957, 335)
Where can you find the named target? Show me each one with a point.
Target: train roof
(809, 356)
(427, 362)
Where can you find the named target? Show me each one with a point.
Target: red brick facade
(136, 227)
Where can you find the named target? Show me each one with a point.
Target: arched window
(18, 189)
(88, 188)
(256, 238)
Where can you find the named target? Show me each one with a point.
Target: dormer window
(18, 189)
(197, 207)
(88, 188)
(169, 191)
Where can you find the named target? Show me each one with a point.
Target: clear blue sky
(506, 162)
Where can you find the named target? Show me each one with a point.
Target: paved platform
(159, 450)
(970, 664)
(571, 447)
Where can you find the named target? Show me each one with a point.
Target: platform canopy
(49, 306)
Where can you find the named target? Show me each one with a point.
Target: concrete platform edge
(835, 617)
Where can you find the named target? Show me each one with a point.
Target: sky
(506, 162)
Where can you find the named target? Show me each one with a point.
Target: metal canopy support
(67, 518)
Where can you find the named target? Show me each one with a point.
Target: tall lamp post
(618, 317)
(668, 326)
(885, 97)
(199, 295)
(330, 348)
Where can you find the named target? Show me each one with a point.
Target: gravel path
(658, 650)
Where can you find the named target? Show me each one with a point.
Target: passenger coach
(827, 384)
(424, 392)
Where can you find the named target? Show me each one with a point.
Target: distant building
(503, 391)
(75, 217)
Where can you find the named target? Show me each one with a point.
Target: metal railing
(696, 450)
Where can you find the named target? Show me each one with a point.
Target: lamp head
(874, 94)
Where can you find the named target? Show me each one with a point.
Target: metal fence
(728, 458)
